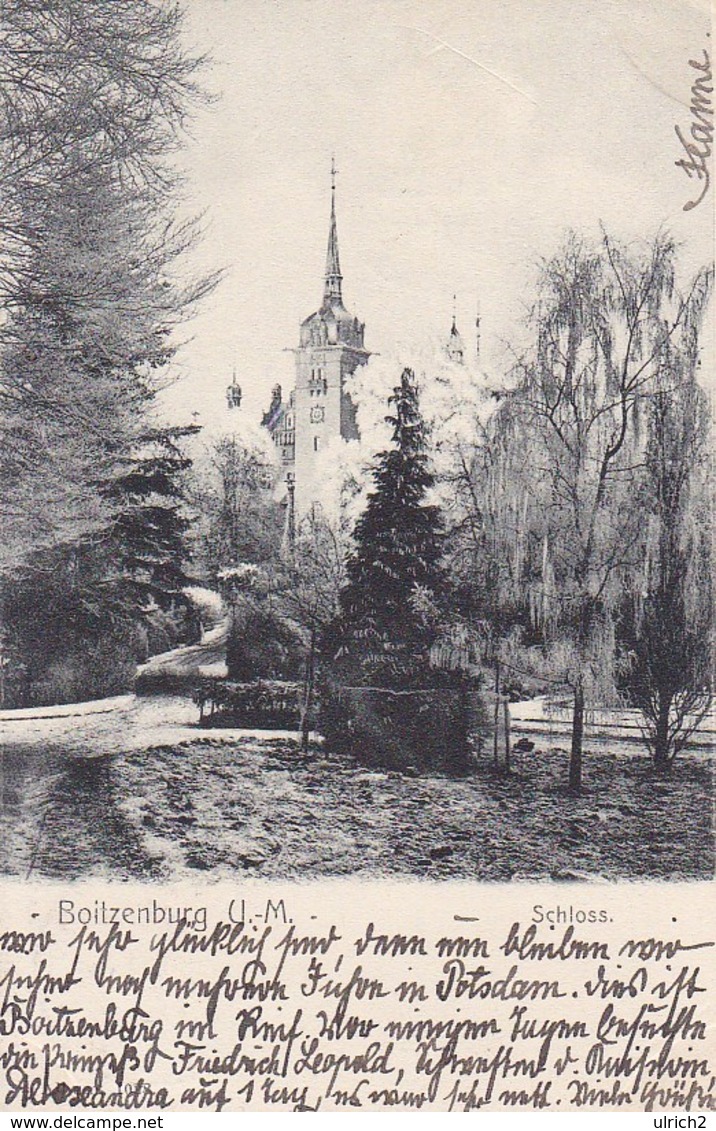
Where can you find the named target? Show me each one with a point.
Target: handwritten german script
(272, 1004)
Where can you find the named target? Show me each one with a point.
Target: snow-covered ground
(205, 659)
(133, 722)
(132, 787)
(68, 710)
(129, 722)
(220, 807)
(544, 717)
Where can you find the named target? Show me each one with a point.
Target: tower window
(316, 443)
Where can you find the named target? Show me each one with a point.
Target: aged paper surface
(451, 966)
(360, 997)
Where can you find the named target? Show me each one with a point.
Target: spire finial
(233, 392)
(332, 290)
(454, 345)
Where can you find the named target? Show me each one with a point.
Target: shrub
(263, 704)
(169, 628)
(262, 645)
(423, 729)
(89, 670)
(164, 682)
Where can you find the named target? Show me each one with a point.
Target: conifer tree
(93, 102)
(395, 580)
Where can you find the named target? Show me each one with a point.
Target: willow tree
(667, 622)
(606, 326)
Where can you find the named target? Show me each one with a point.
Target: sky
(469, 135)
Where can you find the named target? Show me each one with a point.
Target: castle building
(330, 349)
(319, 410)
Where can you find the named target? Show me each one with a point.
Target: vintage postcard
(356, 602)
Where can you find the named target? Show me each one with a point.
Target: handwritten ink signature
(698, 149)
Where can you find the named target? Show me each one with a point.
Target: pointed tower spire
(455, 345)
(332, 290)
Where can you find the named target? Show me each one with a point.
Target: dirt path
(207, 658)
(63, 793)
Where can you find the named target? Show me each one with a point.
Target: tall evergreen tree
(147, 539)
(93, 101)
(394, 577)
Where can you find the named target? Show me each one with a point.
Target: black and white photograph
(356, 397)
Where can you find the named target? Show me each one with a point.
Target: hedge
(263, 704)
(421, 730)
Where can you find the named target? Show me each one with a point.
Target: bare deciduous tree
(311, 577)
(607, 324)
(668, 620)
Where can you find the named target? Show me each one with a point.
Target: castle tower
(330, 350)
(233, 393)
(455, 347)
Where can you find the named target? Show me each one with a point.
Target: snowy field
(139, 792)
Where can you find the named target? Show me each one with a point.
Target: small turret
(233, 393)
(455, 346)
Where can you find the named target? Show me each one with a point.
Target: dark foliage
(395, 580)
(264, 704)
(426, 730)
(104, 592)
(148, 535)
(262, 644)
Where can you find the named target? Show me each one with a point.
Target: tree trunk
(661, 736)
(575, 757)
(308, 698)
